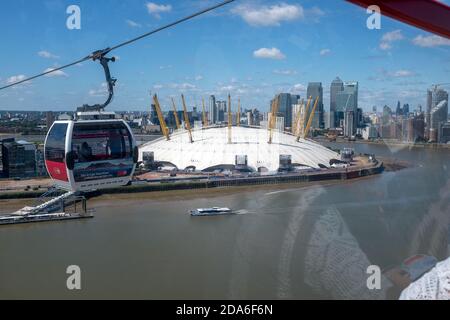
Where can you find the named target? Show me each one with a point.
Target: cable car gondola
(94, 151)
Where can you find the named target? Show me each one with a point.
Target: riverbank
(363, 169)
(389, 143)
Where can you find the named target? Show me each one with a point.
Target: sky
(251, 49)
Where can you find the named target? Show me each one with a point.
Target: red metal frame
(429, 15)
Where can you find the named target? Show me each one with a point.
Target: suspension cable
(97, 54)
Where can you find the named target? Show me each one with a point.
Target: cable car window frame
(56, 142)
(121, 133)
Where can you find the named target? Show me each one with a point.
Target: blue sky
(251, 49)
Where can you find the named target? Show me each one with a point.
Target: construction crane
(311, 117)
(437, 85)
(238, 115)
(186, 119)
(302, 119)
(175, 113)
(205, 118)
(230, 119)
(273, 118)
(162, 122)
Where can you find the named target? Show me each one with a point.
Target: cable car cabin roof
(96, 115)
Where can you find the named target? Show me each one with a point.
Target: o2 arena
(249, 148)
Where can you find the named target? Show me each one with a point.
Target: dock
(50, 207)
(11, 219)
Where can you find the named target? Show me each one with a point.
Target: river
(288, 242)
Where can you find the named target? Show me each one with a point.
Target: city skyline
(260, 48)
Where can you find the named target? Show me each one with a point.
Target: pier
(59, 207)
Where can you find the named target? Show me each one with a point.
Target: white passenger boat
(215, 211)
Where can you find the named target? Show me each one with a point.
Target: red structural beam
(429, 15)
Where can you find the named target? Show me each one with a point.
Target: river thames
(287, 242)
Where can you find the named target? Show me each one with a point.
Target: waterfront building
(434, 97)
(438, 117)
(416, 128)
(221, 110)
(297, 113)
(315, 90)
(370, 132)
(18, 159)
(347, 100)
(337, 86)
(285, 104)
(212, 110)
(154, 115)
(249, 118)
(444, 134)
(327, 120)
(349, 124)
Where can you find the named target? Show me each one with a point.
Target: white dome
(211, 148)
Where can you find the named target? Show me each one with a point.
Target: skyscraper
(437, 111)
(438, 117)
(398, 111)
(285, 103)
(212, 110)
(349, 124)
(347, 101)
(315, 90)
(336, 86)
(221, 109)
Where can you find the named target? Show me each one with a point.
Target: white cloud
(158, 86)
(269, 15)
(100, 92)
(155, 9)
(325, 52)
(186, 86)
(430, 41)
(133, 24)
(392, 36)
(227, 88)
(14, 79)
(165, 67)
(314, 13)
(285, 72)
(47, 55)
(58, 73)
(298, 87)
(402, 74)
(269, 53)
(198, 78)
(389, 37)
(389, 75)
(385, 46)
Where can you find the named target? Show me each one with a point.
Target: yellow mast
(302, 119)
(296, 126)
(162, 122)
(308, 126)
(238, 115)
(230, 119)
(177, 121)
(205, 118)
(273, 118)
(186, 119)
